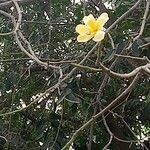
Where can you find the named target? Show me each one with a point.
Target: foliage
(49, 27)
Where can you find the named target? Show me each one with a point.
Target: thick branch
(101, 112)
(6, 4)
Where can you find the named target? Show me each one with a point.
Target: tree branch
(6, 4)
(101, 112)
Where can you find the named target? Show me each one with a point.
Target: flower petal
(84, 38)
(82, 29)
(88, 18)
(99, 36)
(90, 21)
(102, 19)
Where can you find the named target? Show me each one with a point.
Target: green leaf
(109, 55)
(135, 49)
(65, 92)
(72, 98)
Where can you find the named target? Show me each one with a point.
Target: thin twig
(42, 59)
(91, 131)
(111, 41)
(144, 45)
(132, 57)
(86, 67)
(48, 23)
(58, 130)
(123, 16)
(4, 138)
(108, 130)
(19, 16)
(144, 19)
(125, 75)
(12, 19)
(84, 126)
(138, 140)
(51, 89)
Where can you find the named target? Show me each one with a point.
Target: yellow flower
(92, 28)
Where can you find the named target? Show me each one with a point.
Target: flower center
(94, 29)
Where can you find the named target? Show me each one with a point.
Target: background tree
(56, 93)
